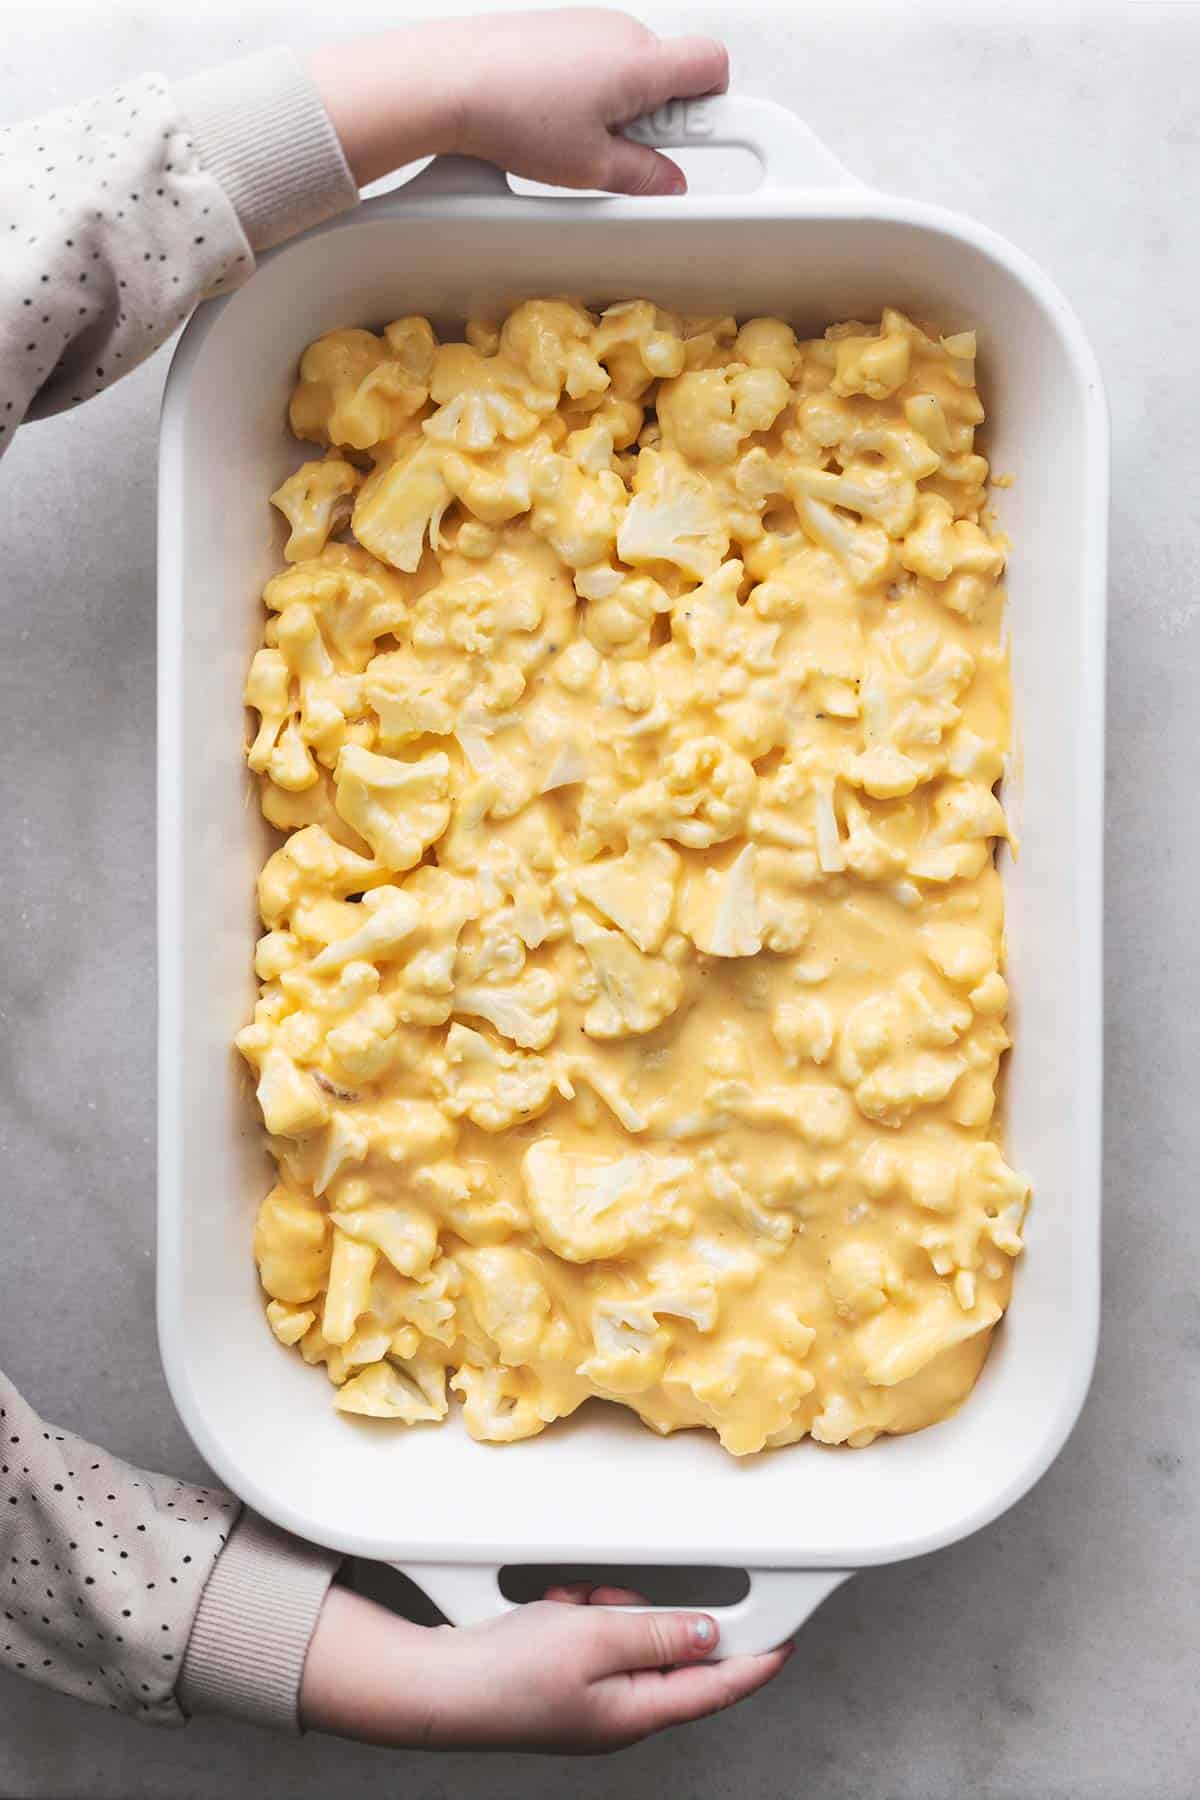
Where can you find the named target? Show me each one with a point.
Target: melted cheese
(631, 998)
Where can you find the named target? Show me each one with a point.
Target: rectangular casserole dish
(814, 246)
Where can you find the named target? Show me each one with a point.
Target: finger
(653, 1640)
(648, 1701)
(570, 1593)
(629, 168)
(616, 1596)
(683, 67)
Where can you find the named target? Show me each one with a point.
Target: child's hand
(548, 1676)
(542, 94)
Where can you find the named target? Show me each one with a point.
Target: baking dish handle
(777, 1604)
(791, 153)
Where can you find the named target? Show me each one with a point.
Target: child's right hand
(561, 1674)
(542, 94)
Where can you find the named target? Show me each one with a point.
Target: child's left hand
(542, 94)
(561, 1674)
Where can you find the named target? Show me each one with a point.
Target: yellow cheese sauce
(633, 703)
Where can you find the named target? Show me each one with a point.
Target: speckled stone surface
(1056, 1655)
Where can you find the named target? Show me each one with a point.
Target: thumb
(652, 1640)
(630, 168)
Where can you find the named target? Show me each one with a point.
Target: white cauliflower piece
(399, 808)
(401, 505)
(316, 501)
(502, 1405)
(588, 1209)
(635, 892)
(872, 365)
(636, 992)
(803, 1029)
(509, 1301)
(706, 414)
(493, 1087)
(390, 918)
(673, 517)
(895, 1346)
(719, 910)
(703, 796)
(291, 1247)
(406, 1235)
(524, 1011)
(630, 1347)
(413, 1392)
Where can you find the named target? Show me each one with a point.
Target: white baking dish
(813, 245)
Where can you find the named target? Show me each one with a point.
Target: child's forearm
(118, 214)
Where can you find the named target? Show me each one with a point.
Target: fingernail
(677, 182)
(703, 1632)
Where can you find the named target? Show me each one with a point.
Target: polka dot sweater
(119, 213)
(129, 1589)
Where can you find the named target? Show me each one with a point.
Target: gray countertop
(1057, 1653)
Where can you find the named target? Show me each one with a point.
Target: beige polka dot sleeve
(129, 1589)
(119, 213)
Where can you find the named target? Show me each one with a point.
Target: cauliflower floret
(412, 697)
(357, 389)
(550, 341)
(474, 421)
(312, 863)
(769, 344)
(706, 414)
(289, 1323)
(875, 365)
(524, 1011)
(390, 916)
(804, 1030)
(508, 1300)
(746, 1390)
(620, 618)
(719, 910)
(493, 1087)
(938, 546)
(406, 1235)
(638, 344)
(895, 1345)
(630, 1347)
(291, 1103)
(858, 1280)
(673, 517)
(636, 992)
(398, 807)
(588, 1209)
(702, 797)
(865, 489)
(894, 1090)
(348, 1293)
(291, 1246)
(413, 1392)
(354, 598)
(501, 1406)
(635, 892)
(577, 508)
(863, 549)
(401, 505)
(316, 501)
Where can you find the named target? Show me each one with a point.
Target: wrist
(381, 126)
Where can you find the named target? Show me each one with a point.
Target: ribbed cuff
(255, 1620)
(260, 128)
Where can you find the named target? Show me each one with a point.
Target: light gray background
(1057, 1653)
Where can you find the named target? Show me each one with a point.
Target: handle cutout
(663, 1585)
(710, 169)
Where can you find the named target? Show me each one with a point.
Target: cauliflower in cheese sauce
(632, 704)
